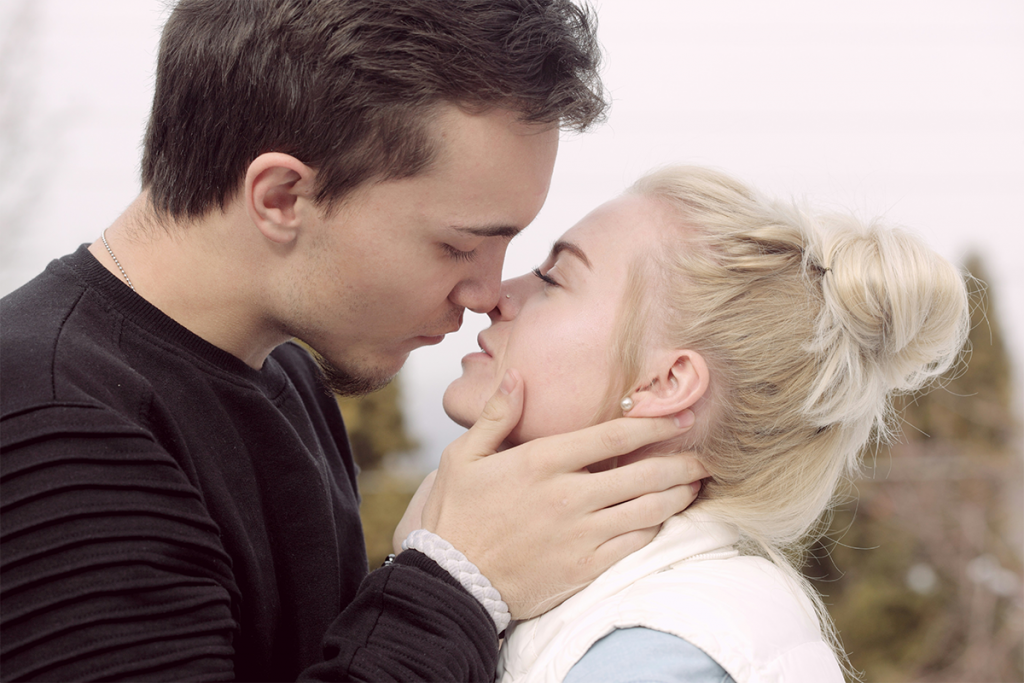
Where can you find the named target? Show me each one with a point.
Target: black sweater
(168, 512)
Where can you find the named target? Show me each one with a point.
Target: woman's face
(556, 326)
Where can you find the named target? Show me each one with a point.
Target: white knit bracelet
(464, 571)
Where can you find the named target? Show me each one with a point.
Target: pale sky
(911, 109)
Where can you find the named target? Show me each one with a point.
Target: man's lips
(457, 325)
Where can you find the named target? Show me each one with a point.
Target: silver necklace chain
(103, 236)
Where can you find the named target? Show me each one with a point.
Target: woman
(786, 334)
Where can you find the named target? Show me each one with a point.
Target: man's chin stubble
(344, 382)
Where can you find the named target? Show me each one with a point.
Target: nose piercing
(508, 296)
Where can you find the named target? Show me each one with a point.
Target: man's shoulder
(33, 322)
(42, 395)
(36, 311)
(63, 372)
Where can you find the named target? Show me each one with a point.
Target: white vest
(691, 582)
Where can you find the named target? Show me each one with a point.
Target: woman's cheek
(550, 406)
(555, 356)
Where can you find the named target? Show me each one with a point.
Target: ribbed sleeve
(410, 622)
(111, 567)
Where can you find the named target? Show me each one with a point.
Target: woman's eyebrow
(571, 248)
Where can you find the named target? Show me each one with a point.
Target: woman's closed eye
(546, 278)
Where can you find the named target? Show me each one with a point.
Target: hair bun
(895, 315)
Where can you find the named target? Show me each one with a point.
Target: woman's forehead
(615, 231)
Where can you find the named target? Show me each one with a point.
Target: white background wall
(911, 109)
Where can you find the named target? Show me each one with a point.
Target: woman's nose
(502, 310)
(510, 299)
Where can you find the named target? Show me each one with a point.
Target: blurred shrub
(385, 498)
(376, 430)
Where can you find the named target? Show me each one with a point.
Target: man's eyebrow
(506, 231)
(571, 248)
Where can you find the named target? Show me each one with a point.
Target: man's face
(396, 265)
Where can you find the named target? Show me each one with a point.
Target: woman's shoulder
(743, 611)
(641, 654)
(740, 594)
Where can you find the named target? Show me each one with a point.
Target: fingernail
(685, 419)
(508, 382)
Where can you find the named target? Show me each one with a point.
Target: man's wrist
(465, 572)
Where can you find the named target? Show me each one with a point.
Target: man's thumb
(500, 415)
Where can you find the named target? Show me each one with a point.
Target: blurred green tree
(377, 432)
(922, 570)
(375, 425)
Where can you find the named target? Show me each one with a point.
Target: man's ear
(275, 185)
(678, 379)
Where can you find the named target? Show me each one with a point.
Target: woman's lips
(482, 343)
(483, 354)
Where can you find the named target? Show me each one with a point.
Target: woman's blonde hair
(809, 324)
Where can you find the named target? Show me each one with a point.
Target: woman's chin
(456, 408)
(461, 421)
(465, 404)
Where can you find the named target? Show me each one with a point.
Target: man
(178, 496)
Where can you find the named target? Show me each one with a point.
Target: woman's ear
(275, 186)
(678, 380)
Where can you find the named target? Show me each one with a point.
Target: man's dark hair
(348, 86)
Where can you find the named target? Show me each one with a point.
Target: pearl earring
(627, 404)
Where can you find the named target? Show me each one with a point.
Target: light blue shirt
(643, 655)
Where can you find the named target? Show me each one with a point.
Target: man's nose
(479, 292)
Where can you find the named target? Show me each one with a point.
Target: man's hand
(540, 526)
